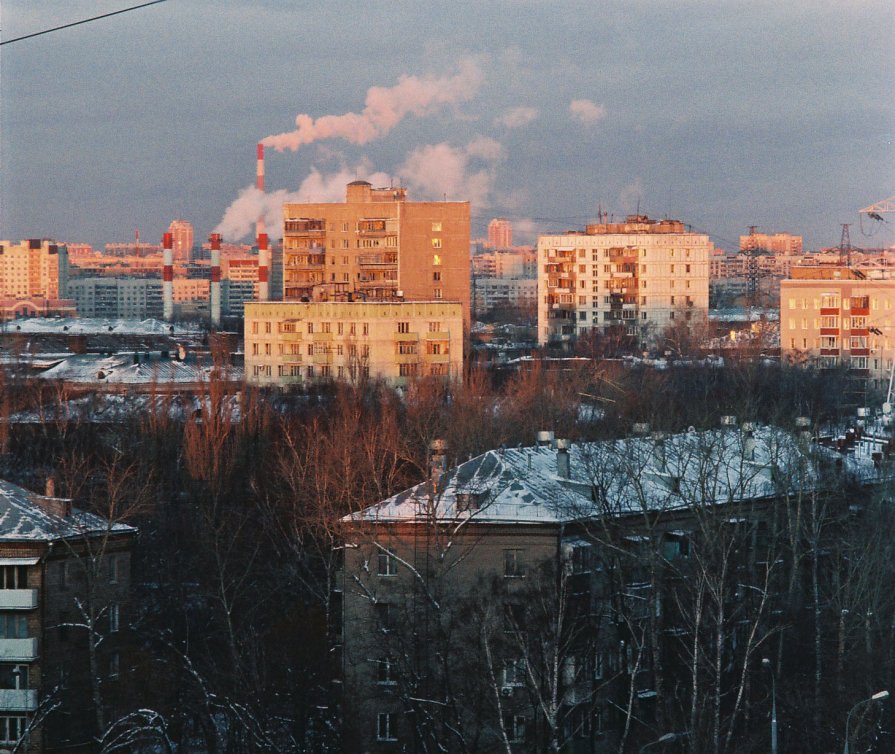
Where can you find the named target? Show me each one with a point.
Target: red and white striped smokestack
(263, 268)
(168, 276)
(215, 302)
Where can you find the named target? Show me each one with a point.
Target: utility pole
(845, 246)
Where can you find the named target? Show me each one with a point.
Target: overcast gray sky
(720, 113)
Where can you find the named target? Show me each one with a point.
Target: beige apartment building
(636, 278)
(377, 246)
(782, 244)
(295, 343)
(33, 268)
(840, 316)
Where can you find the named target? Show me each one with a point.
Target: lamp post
(877, 697)
(667, 738)
(767, 663)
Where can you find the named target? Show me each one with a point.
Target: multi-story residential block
(840, 316)
(182, 232)
(33, 268)
(138, 298)
(490, 293)
(500, 233)
(782, 244)
(636, 277)
(547, 598)
(377, 246)
(518, 262)
(64, 583)
(294, 343)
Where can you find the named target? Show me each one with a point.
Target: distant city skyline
(722, 114)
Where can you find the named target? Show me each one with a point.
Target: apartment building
(839, 316)
(524, 600)
(377, 246)
(778, 244)
(131, 298)
(33, 278)
(634, 278)
(182, 233)
(64, 581)
(289, 343)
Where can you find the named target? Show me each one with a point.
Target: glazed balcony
(18, 700)
(21, 650)
(18, 599)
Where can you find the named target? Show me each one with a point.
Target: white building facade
(635, 278)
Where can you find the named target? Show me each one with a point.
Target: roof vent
(544, 438)
(728, 421)
(563, 459)
(640, 428)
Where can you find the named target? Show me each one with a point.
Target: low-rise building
(64, 584)
(290, 343)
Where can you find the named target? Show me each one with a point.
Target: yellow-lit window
(436, 259)
(436, 243)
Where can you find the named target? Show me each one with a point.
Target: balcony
(407, 337)
(18, 599)
(440, 335)
(323, 358)
(323, 337)
(378, 260)
(21, 650)
(438, 358)
(305, 227)
(291, 337)
(372, 228)
(18, 700)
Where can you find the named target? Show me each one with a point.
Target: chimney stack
(563, 460)
(215, 302)
(168, 277)
(261, 234)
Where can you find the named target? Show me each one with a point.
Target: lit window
(436, 259)
(436, 227)
(436, 243)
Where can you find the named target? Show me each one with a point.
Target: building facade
(294, 343)
(377, 246)
(131, 298)
(836, 316)
(182, 232)
(500, 233)
(778, 244)
(64, 583)
(34, 270)
(635, 278)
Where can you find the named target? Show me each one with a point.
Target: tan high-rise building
(377, 246)
(835, 316)
(33, 268)
(182, 231)
(636, 277)
(500, 233)
(293, 342)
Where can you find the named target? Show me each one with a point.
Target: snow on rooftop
(127, 368)
(613, 478)
(96, 326)
(23, 519)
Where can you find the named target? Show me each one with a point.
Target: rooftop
(530, 485)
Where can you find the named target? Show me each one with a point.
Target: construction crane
(876, 212)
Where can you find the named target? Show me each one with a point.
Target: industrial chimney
(168, 277)
(260, 231)
(215, 301)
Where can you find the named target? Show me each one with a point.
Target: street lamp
(879, 696)
(667, 738)
(767, 664)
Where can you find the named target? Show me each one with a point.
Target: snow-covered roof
(121, 369)
(614, 478)
(26, 516)
(98, 325)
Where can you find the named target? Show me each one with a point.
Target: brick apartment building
(64, 577)
(544, 598)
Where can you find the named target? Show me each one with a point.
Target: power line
(83, 21)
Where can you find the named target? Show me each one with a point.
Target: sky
(720, 113)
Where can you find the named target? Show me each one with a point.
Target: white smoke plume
(586, 112)
(385, 108)
(459, 173)
(240, 217)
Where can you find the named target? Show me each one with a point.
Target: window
(514, 617)
(114, 665)
(12, 729)
(513, 567)
(387, 564)
(366, 328)
(675, 545)
(515, 726)
(352, 329)
(13, 626)
(310, 328)
(436, 276)
(386, 726)
(327, 327)
(385, 615)
(114, 617)
(437, 293)
(514, 672)
(13, 577)
(254, 328)
(435, 327)
(436, 260)
(385, 671)
(406, 370)
(436, 227)
(403, 327)
(267, 327)
(114, 569)
(436, 243)
(406, 348)
(13, 676)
